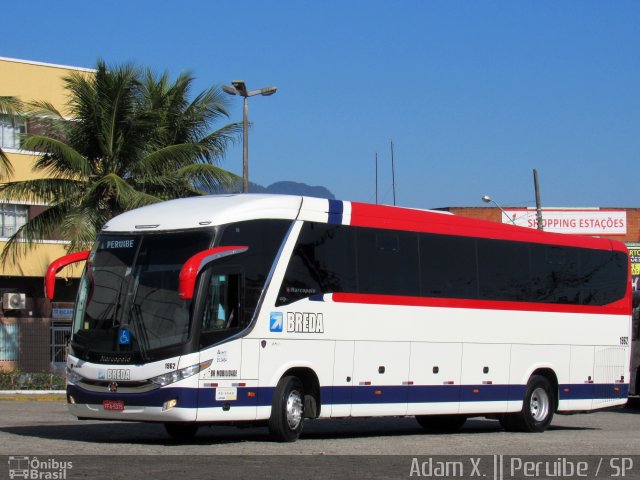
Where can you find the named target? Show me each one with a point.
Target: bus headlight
(181, 374)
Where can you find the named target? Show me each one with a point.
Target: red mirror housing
(56, 265)
(193, 266)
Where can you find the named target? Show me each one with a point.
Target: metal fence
(33, 345)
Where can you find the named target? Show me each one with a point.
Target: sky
(473, 94)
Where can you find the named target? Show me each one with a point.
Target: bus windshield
(128, 305)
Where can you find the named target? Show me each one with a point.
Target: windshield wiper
(135, 313)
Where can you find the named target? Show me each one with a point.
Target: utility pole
(376, 178)
(536, 186)
(393, 174)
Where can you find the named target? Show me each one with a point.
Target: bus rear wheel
(441, 423)
(287, 410)
(537, 408)
(181, 431)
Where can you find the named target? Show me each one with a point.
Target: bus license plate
(117, 405)
(226, 394)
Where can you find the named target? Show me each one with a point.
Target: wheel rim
(294, 409)
(539, 404)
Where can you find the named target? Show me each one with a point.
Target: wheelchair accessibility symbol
(125, 337)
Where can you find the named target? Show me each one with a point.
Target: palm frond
(40, 227)
(207, 178)
(81, 227)
(218, 141)
(112, 187)
(61, 160)
(169, 158)
(47, 190)
(6, 169)
(11, 106)
(42, 108)
(13, 110)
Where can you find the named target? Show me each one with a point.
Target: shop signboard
(577, 221)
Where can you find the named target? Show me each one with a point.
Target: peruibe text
(120, 244)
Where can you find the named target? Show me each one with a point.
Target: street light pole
(240, 88)
(245, 146)
(488, 199)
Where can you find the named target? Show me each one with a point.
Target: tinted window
(503, 270)
(603, 273)
(335, 258)
(449, 267)
(264, 238)
(322, 262)
(388, 262)
(555, 273)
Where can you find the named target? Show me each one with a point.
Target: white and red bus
(275, 309)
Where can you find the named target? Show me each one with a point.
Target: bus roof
(212, 210)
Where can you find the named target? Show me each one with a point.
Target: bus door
(222, 318)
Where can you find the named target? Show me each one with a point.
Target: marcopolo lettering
(305, 322)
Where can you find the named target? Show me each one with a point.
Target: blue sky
(474, 94)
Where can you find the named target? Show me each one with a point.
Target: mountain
(284, 188)
(295, 188)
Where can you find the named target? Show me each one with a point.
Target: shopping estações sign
(584, 222)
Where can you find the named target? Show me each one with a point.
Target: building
(33, 331)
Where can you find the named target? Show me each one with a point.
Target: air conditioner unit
(14, 301)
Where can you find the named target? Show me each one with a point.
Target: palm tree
(134, 139)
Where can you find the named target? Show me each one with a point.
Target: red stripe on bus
(395, 218)
(621, 307)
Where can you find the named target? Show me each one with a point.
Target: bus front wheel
(537, 408)
(287, 410)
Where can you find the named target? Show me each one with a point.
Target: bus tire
(537, 408)
(181, 431)
(441, 423)
(509, 421)
(287, 410)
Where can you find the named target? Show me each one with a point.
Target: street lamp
(240, 88)
(488, 199)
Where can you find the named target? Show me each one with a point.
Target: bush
(19, 380)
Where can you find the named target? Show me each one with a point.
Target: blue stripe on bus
(359, 395)
(595, 391)
(336, 209)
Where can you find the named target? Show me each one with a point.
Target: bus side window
(322, 262)
(388, 262)
(222, 305)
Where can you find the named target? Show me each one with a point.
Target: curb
(33, 395)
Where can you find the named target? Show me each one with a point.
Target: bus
(273, 309)
(634, 375)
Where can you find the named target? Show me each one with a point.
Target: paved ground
(34, 427)
(45, 429)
